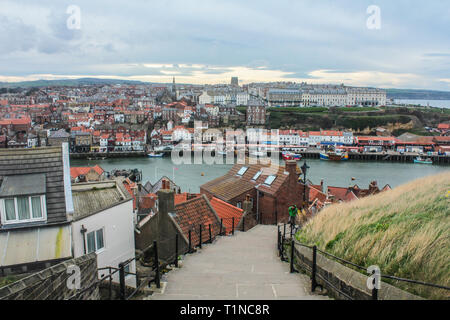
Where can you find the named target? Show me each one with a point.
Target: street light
(304, 168)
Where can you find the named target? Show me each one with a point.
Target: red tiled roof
(148, 201)
(183, 197)
(227, 212)
(342, 194)
(130, 185)
(193, 213)
(77, 171)
(315, 193)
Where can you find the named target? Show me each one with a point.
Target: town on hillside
(101, 121)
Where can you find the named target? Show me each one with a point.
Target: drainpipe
(83, 231)
(257, 203)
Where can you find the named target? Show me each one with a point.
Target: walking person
(293, 210)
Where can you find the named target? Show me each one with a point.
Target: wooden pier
(376, 156)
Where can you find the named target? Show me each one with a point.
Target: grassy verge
(404, 231)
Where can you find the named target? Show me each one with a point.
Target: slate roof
(47, 161)
(21, 185)
(154, 188)
(190, 214)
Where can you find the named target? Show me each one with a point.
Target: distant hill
(417, 94)
(66, 82)
(405, 231)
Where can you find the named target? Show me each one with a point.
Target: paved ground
(239, 267)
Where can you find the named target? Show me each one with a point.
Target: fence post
(155, 246)
(232, 227)
(200, 237)
(284, 230)
(243, 224)
(122, 281)
(190, 242)
(221, 226)
(276, 217)
(282, 248)
(210, 238)
(292, 256)
(176, 250)
(110, 283)
(278, 238)
(374, 291)
(313, 272)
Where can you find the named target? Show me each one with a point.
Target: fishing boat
(334, 156)
(291, 156)
(423, 161)
(155, 155)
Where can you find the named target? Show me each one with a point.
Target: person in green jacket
(293, 210)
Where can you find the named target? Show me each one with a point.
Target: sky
(402, 44)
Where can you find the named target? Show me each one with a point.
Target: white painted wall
(118, 238)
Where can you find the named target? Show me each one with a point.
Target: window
(242, 171)
(95, 241)
(269, 180)
(256, 176)
(239, 205)
(23, 209)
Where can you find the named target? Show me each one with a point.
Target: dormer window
(256, 176)
(242, 171)
(22, 199)
(269, 180)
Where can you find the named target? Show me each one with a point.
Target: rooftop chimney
(247, 205)
(166, 201)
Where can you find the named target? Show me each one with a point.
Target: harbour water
(425, 103)
(191, 177)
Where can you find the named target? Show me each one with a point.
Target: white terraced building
(326, 95)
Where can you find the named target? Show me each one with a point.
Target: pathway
(240, 267)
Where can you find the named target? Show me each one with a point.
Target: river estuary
(190, 178)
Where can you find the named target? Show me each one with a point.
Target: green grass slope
(405, 231)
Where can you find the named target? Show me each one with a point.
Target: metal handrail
(365, 269)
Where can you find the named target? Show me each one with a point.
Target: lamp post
(304, 168)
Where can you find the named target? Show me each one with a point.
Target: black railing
(213, 230)
(282, 240)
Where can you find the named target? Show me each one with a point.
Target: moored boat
(334, 156)
(155, 155)
(423, 161)
(291, 156)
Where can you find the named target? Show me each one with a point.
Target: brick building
(270, 194)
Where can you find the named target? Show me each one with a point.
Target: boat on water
(423, 161)
(155, 155)
(334, 156)
(291, 156)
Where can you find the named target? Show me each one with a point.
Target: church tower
(174, 89)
